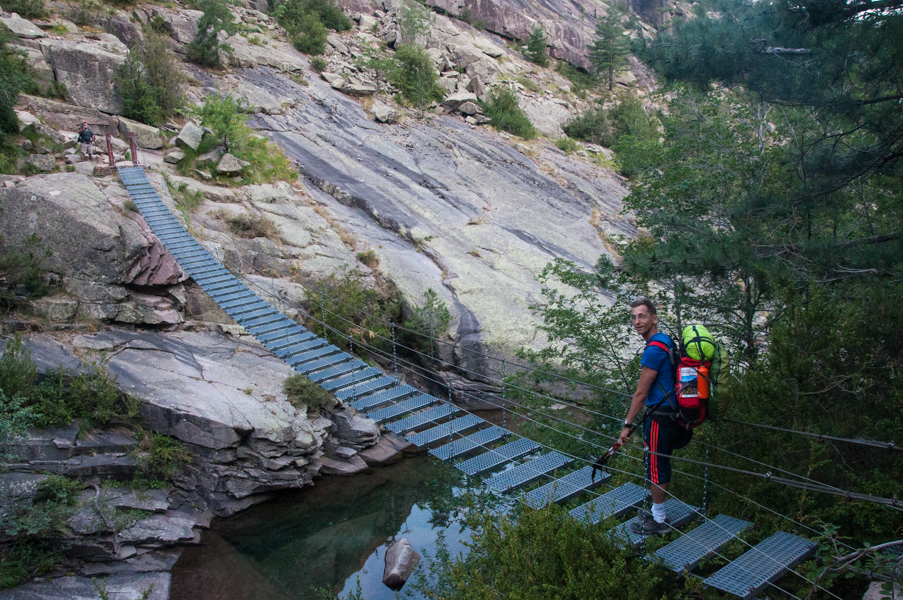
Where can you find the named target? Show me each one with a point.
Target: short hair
(645, 302)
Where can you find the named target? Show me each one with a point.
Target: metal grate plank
(524, 473)
(255, 330)
(613, 503)
(297, 348)
(678, 514)
(480, 439)
(368, 387)
(261, 321)
(309, 355)
(401, 408)
(289, 340)
(337, 371)
(761, 565)
(384, 397)
(426, 417)
(323, 363)
(497, 456)
(685, 552)
(279, 335)
(445, 431)
(565, 488)
(249, 314)
(352, 379)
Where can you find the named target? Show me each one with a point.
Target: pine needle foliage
(536, 47)
(206, 49)
(608, 54)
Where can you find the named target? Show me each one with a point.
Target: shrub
(310, 37)
(369, 258)
(227, 117)
(413, 20)
(20, 271)
(166, 456)
(206, 48)
(426, 323)
(307, 21)
(416, 77)
(138, 97)
(352, 309)
(536, 47)
(605, 127)
(304, 394)
(253, 226)
(580, 80)
(318, 65)
(14, 76)
(506, 113)
(567, 144)
(27, 9)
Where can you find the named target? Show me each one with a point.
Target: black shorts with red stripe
(659, 438)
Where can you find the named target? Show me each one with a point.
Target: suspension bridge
(508, 463)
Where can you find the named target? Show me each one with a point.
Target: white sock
(658, 512)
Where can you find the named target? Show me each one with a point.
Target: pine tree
(536, 47)
(608, 54)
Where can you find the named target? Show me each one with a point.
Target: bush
(253, 226)
(352, 309)
(592, 125)
(21, 271)
(605, 127)
(580, 80)
(310, 37)
(166, 456)
(307, 21)
(14, 76)
(206, 48)
(318, 65)
(369, 258)
(567, 144)
(506, 113)
(138, 97)
(427, 323)
(304, 394)
(227, 117)
(27, 9)
(416, 77)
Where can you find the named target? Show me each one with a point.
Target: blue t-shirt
(656, 358)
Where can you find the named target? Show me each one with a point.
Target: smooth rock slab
(158, 529)
(88, 72)
(23, 28)
(401, 558)
(335, 466)
(120, 587)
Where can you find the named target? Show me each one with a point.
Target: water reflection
(327, 536)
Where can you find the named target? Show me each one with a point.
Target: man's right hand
(625, 435)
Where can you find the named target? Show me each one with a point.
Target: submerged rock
(401, 558)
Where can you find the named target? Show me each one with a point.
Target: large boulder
(401, 558)
(22, 28)
(383, 113)
(87, 239)
(548, 117)
(88, 71)
(67, 116)
(190, 136)
(145, 136)
(230, 165)
(182, 25)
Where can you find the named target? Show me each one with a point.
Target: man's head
(644, 317)
(84, 124)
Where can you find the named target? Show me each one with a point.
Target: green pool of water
(327, 536)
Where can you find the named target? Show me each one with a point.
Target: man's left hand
(625, 435)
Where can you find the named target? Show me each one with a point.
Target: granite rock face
(88, 71)
(450, 208)
(130, 587)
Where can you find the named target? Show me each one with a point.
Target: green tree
(206, 49)
(414, 20)
(536, 47)
(608, 54)
(306, 22)
(14, 76)
(429, 321)
(226, 117)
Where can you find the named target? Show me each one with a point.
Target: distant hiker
(86, 139)
(660, 430)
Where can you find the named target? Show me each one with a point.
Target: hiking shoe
(649, 526)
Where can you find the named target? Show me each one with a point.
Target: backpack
(700, 369)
